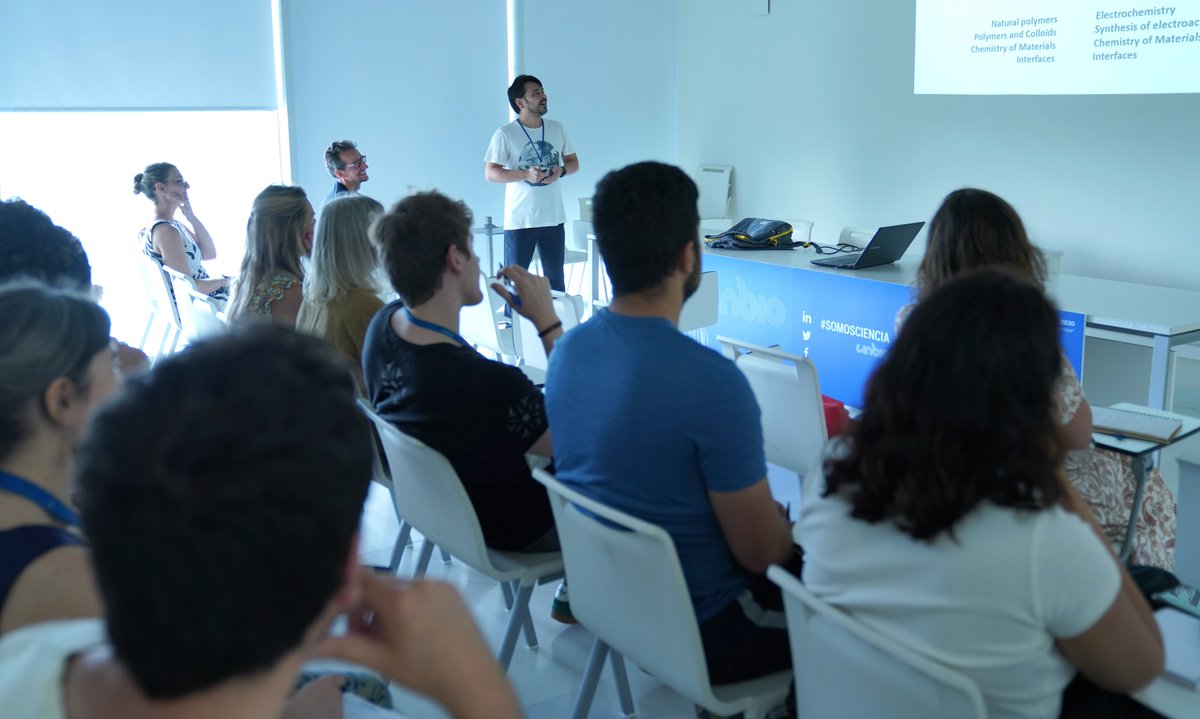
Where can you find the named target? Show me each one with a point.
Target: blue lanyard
(40, 497)
(537, 148)
(436, 328)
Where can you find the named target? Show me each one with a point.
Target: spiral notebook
(1137, 425)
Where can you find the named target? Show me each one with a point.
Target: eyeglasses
(178, 181)
(362, 160)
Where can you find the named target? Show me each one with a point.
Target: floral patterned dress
(1105, 479)
(268, 291)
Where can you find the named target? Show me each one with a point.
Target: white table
(1162, 316)
(1138, 450)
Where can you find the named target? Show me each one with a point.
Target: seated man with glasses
(347, 165)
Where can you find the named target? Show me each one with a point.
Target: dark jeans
(551, 244)
(738, 647)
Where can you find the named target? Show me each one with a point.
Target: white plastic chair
(200, 316)
(627, 587)
(431, 497)
(158, 298)
(845, 669)
(477, 323)
(789, 397)
(534, 362)
(857, 236)
(714, 184)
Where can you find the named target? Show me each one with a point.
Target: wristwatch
(564, 172)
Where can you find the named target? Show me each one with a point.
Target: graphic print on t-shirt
(529, 157)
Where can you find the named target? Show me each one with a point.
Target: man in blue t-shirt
(648, 421)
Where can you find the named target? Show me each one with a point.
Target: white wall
(419, 86)
(609, 72)
(813, 106)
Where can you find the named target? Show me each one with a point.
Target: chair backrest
(199, 315)
(569, 309)
(627, 587)
(714, 184)
(857, 236)
(429, 494)
(477, 323)
(789, 396)
(700, 310)
(844, 668)
(155, 283)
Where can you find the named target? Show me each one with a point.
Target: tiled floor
(547, 678)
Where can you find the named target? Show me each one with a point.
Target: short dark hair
(643, 214)
(974, 229)
(333, 154)
(517, 89)
(221, 493)
(413, 238)
(959, 412)
(31, 245)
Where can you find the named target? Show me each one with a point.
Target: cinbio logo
(751, 307)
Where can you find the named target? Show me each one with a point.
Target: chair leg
(403, 539)
(516, 619)
(618, 669)
(591, 677)
(445, 556)
(423, 559)
(506, 590)
(531, 639)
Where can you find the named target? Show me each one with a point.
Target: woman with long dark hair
(944, 520)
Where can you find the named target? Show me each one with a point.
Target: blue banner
(844, 323)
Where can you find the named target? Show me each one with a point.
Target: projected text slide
(1056, 47)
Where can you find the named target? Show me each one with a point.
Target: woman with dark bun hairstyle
(170, 241)
(943, 518)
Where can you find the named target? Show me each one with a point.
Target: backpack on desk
(754, 233)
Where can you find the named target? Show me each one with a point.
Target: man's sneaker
(560, 608)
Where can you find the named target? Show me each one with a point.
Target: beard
(692, 283)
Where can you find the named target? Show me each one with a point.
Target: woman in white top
(944, 518)
(170, 241)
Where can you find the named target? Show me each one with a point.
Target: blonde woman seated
(56, 366)
(341, 293)
(944, 521)
(975, 229)
(168, 240)
(279, 236)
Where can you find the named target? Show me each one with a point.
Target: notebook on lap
(887, 246)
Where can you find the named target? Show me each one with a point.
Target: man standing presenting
(649, 421)
(530, 155)
(347, 165)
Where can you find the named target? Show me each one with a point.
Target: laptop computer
(888, 245)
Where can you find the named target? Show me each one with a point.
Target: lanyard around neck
(537, 147)
(48, 502)
(435, 328)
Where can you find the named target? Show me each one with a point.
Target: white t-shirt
(989, 604)
(33, 661)
(518, 148)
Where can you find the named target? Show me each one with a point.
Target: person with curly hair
(943, 518)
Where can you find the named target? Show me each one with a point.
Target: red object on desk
(837, 419)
